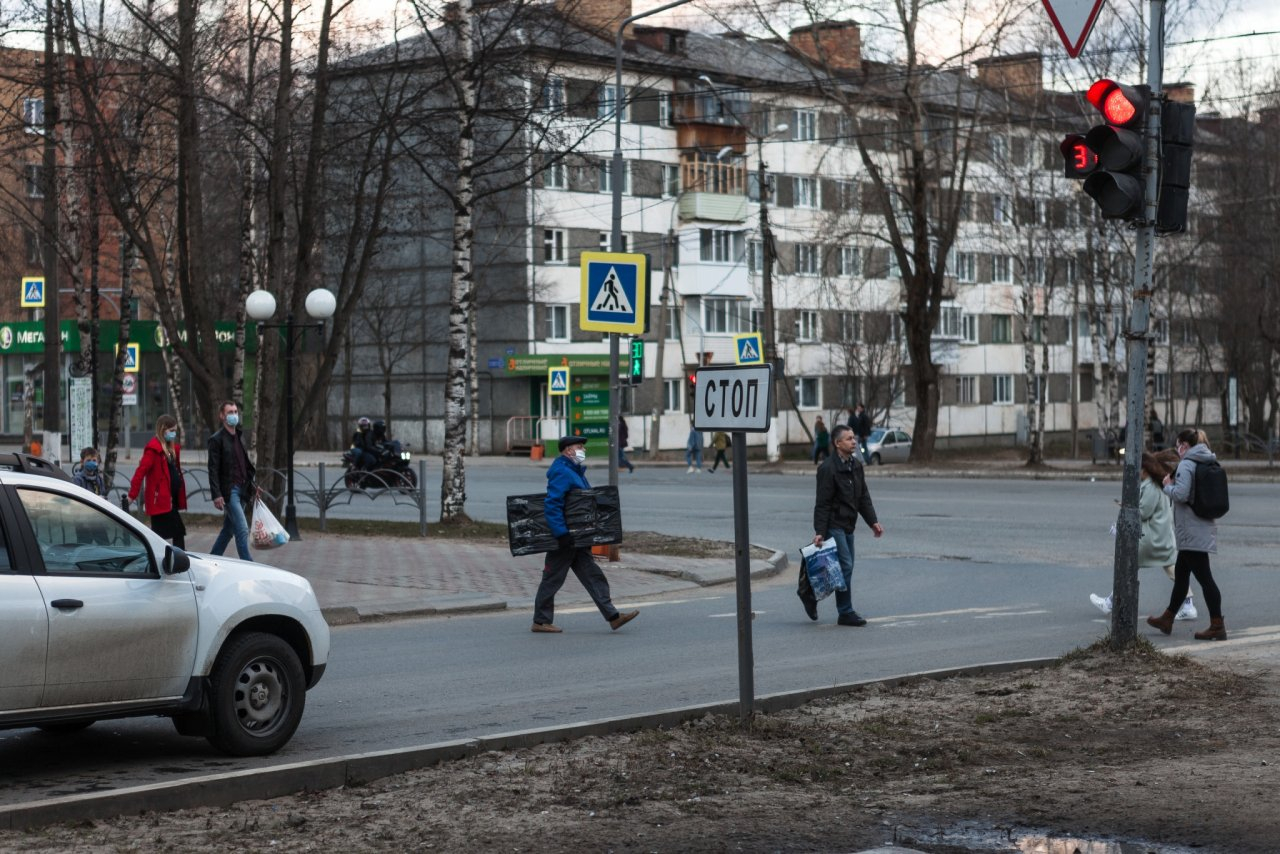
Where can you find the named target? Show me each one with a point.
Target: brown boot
(1164, 622)
(1217, 630)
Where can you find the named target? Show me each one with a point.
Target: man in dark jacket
(231, 481)
(860, 423)
(567, 473)
(842, 497)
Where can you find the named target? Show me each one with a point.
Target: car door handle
(67, 604)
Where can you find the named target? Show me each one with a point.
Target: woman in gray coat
(1197, 539)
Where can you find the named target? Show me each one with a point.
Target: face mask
(579, 456)
(233, 419)
(91, 466)
(170, 435)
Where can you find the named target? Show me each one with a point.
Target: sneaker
(689, 470)
(622, 619)
(1103, 605)
(850, 619)
(1187, 611)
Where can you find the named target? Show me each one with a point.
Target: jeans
(623, 462)
(844, 551)
(693, 456)
(233, 522)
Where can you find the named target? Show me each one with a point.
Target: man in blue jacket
(567, 473)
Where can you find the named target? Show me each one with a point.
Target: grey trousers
(556, 570)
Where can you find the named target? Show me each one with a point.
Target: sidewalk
(371, 578)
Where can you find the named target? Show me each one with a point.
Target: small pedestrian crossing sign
(33, 292)
(558, 381)
(132, 357)
(747, 349)
(615, 292)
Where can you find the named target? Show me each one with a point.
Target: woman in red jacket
(166, 493)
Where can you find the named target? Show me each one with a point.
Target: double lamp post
(261, 306)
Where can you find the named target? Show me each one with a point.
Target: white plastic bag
(822, 565)
(267, 532)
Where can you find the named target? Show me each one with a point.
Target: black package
(594, 517)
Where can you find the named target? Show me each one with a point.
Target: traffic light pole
(1124, 612)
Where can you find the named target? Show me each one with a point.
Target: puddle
(975, 837)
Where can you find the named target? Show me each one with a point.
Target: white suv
(100, 618)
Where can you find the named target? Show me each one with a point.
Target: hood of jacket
(1200, 454)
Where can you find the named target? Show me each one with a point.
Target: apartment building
(1034, 301)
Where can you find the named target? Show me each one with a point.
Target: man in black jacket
(860, 421)
(231, 481)
(842, 497)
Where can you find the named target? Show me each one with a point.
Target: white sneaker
(689, 470)
(1187, 611)
(1103, 605)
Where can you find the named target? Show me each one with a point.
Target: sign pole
(742, 573)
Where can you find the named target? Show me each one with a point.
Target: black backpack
(1209, 491)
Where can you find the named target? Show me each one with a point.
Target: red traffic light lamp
(1110, 157)
(1122, 106)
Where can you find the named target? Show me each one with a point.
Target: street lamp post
(261, 305)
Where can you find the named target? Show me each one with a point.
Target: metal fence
(317, 492)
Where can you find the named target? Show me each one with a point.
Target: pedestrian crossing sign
(558, 381)
(747, 349)
(615, 292)
(132, 357)
(33, 292)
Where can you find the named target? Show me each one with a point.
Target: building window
(556, 176)
(1069, 271)
(999, 148)
(850, 326)
(757, 320)
(553, 94)
(807, 192)
(1161, 385)
(673, 395)
(670, 180)
(804, 125)
(966, 389)
(557, 322)
(665, 110)
(1159, 330)
(1002, 388)
(1002, 269)
(1001, 209)
(721, 316)
(1035, 270)
(808, 393)
(720, 246)
(33, 115)
(848, 261)
(806, 259)
(807, 328)
(965, 211)
(846, 195)
(966, 266)
(1042, 211)
(608, 96)
(1190, 385)
(969, 328)
(606, 242)
(949, 322)
(1001, 329)
(553, 245)
(755, 256)
(673, 324)
(35, 254)
(35, 181)
(606, 177)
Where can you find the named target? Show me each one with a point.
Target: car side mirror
(175, 561)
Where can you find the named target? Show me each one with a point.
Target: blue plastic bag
(822, 565)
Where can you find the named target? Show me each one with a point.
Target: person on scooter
(363, 452)
(386, 450)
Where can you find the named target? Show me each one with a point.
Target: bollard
(322, 497)
(422, 497)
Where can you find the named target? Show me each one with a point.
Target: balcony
(712, 189)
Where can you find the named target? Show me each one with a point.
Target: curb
(220, 790)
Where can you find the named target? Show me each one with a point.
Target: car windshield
(876, 435)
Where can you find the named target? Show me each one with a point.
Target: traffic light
(1109, 158)
(635, 373)
(1177, 132)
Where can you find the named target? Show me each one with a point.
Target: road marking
(1009, 614)
(587, 609)
(1253, 636)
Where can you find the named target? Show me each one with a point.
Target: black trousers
(556, 570)
(1197, 564)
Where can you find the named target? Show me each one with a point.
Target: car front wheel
(875, 459)
(258, 691)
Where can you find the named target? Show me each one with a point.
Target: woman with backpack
(1197, 538)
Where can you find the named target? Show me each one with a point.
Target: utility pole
(655, 429)
(772, 450)
(49, 187)
(1124, 612)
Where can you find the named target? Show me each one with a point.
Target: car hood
(214, 572)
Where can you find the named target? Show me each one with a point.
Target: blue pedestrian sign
(33, 292)
(132, 357)
(747, 349)
(558, 381)
(615, 292)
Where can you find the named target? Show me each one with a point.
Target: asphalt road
(967, 572)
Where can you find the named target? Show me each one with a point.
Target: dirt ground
(1154, 750)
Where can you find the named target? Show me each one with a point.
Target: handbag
(820, 566)
(267, 532)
